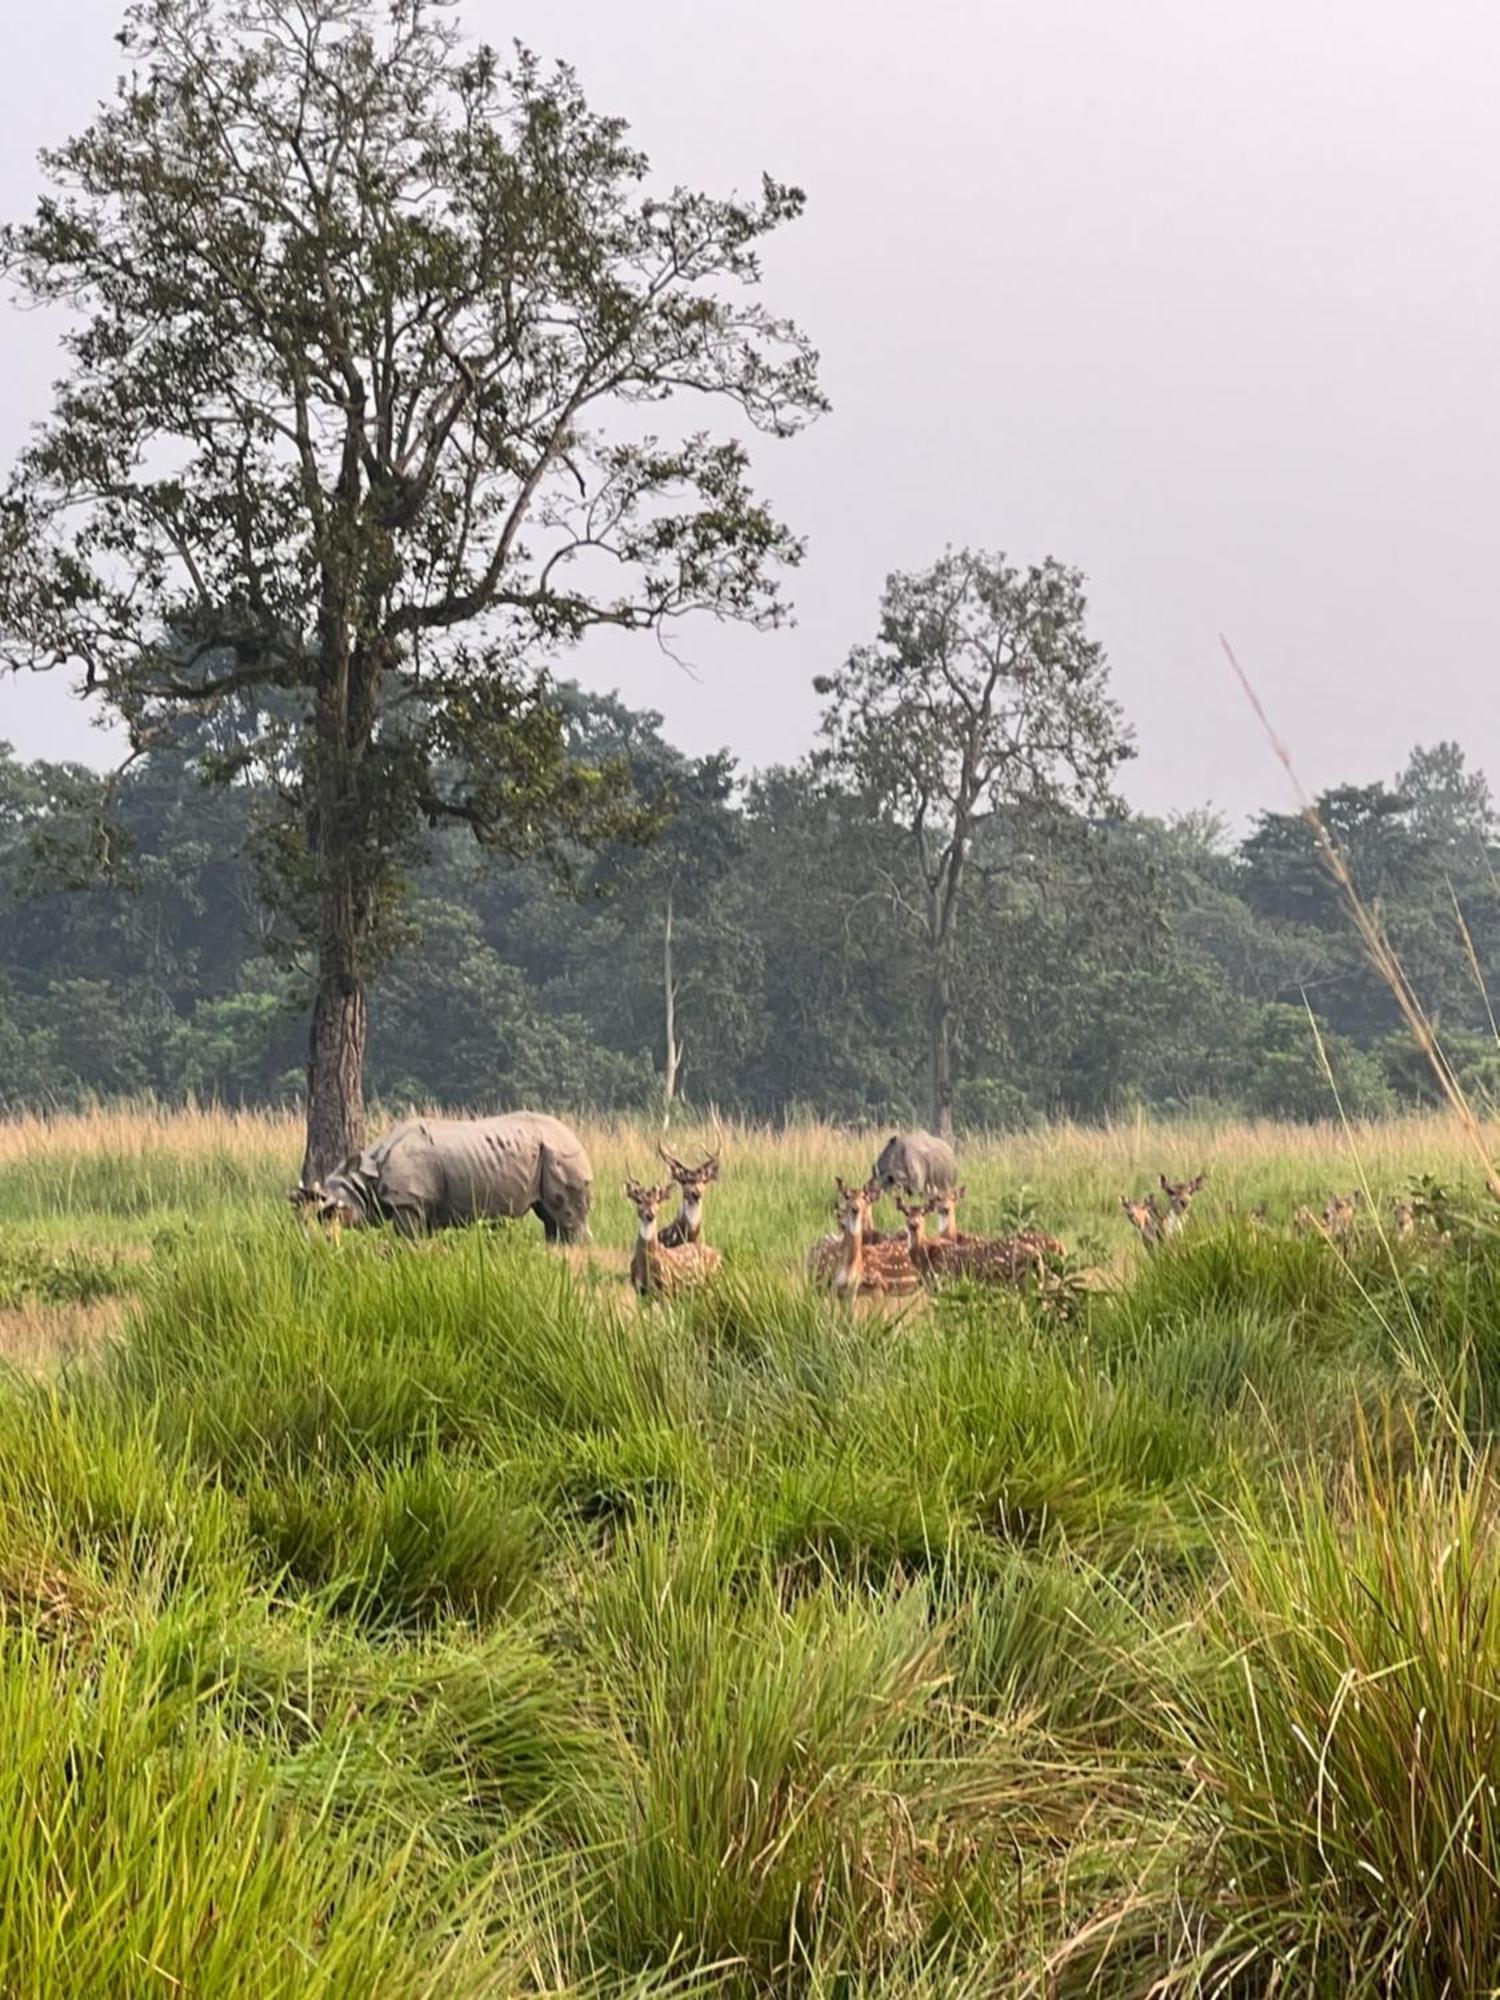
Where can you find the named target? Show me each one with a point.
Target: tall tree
(364, 328)
(983, 691)
(1451, 804)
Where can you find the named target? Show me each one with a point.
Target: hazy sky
(1200, 295)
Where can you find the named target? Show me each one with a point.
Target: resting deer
(995, 1260)
(686, 1225)
(1404, 1219)
(854, 1265)
(657, 1269)
(915, 1214)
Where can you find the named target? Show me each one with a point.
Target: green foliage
(1293, 1071)
(1101, 968)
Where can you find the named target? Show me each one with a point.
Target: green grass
(429, 1619)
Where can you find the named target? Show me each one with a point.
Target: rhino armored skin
(917, 1161)
(433, 1173)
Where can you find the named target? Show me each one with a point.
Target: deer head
(647, 1202)
(915, 1214)
(853, 1206)
(1180, 1193)
(945, 1207)
(1341, 1211)
(691, 1180)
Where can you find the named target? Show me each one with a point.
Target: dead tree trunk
(673, 1063)
(940, 1053)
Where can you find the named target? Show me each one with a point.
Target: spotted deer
(1180, 1196)
(914, 1214)
(854, 1266)
(944, 1205)
(686, 1225)
(1145, 1218)
(995, 1260)
(659, 1270)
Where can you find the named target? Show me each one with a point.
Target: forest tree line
(1104, 962)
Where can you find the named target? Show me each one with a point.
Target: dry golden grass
(124, 1170)
(37, 1336)
(266, 1137)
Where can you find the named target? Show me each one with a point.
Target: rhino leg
(549, 1227)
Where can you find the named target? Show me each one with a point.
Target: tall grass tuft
(1343, 1736)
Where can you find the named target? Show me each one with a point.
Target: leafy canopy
(368, 338)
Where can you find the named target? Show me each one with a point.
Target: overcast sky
(1199, 295)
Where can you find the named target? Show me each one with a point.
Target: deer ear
(1165, 1184)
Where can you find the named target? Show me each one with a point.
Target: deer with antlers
(686, 1225)
(658, 1269)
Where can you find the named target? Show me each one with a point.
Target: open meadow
(433, 1619)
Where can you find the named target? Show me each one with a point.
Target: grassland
(430, 1620)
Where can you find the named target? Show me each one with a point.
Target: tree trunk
(674, 1047)
(941, 1054)
(336, 1052)
(338, 842)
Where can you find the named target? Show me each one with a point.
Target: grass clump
(1343, 1735)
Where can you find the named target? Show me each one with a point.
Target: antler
(678, 1170)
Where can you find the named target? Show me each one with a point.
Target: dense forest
(1105, 961)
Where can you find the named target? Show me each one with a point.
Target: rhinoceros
(431, 1173)
(918, 1162)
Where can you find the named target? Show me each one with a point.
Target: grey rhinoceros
(432, 1173)
(917, 1161)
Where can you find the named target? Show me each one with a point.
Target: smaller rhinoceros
(919, 1162)
(434, 1173)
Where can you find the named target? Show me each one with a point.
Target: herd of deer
(1156, 1221)
(858, 1261)
(855, 1261)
